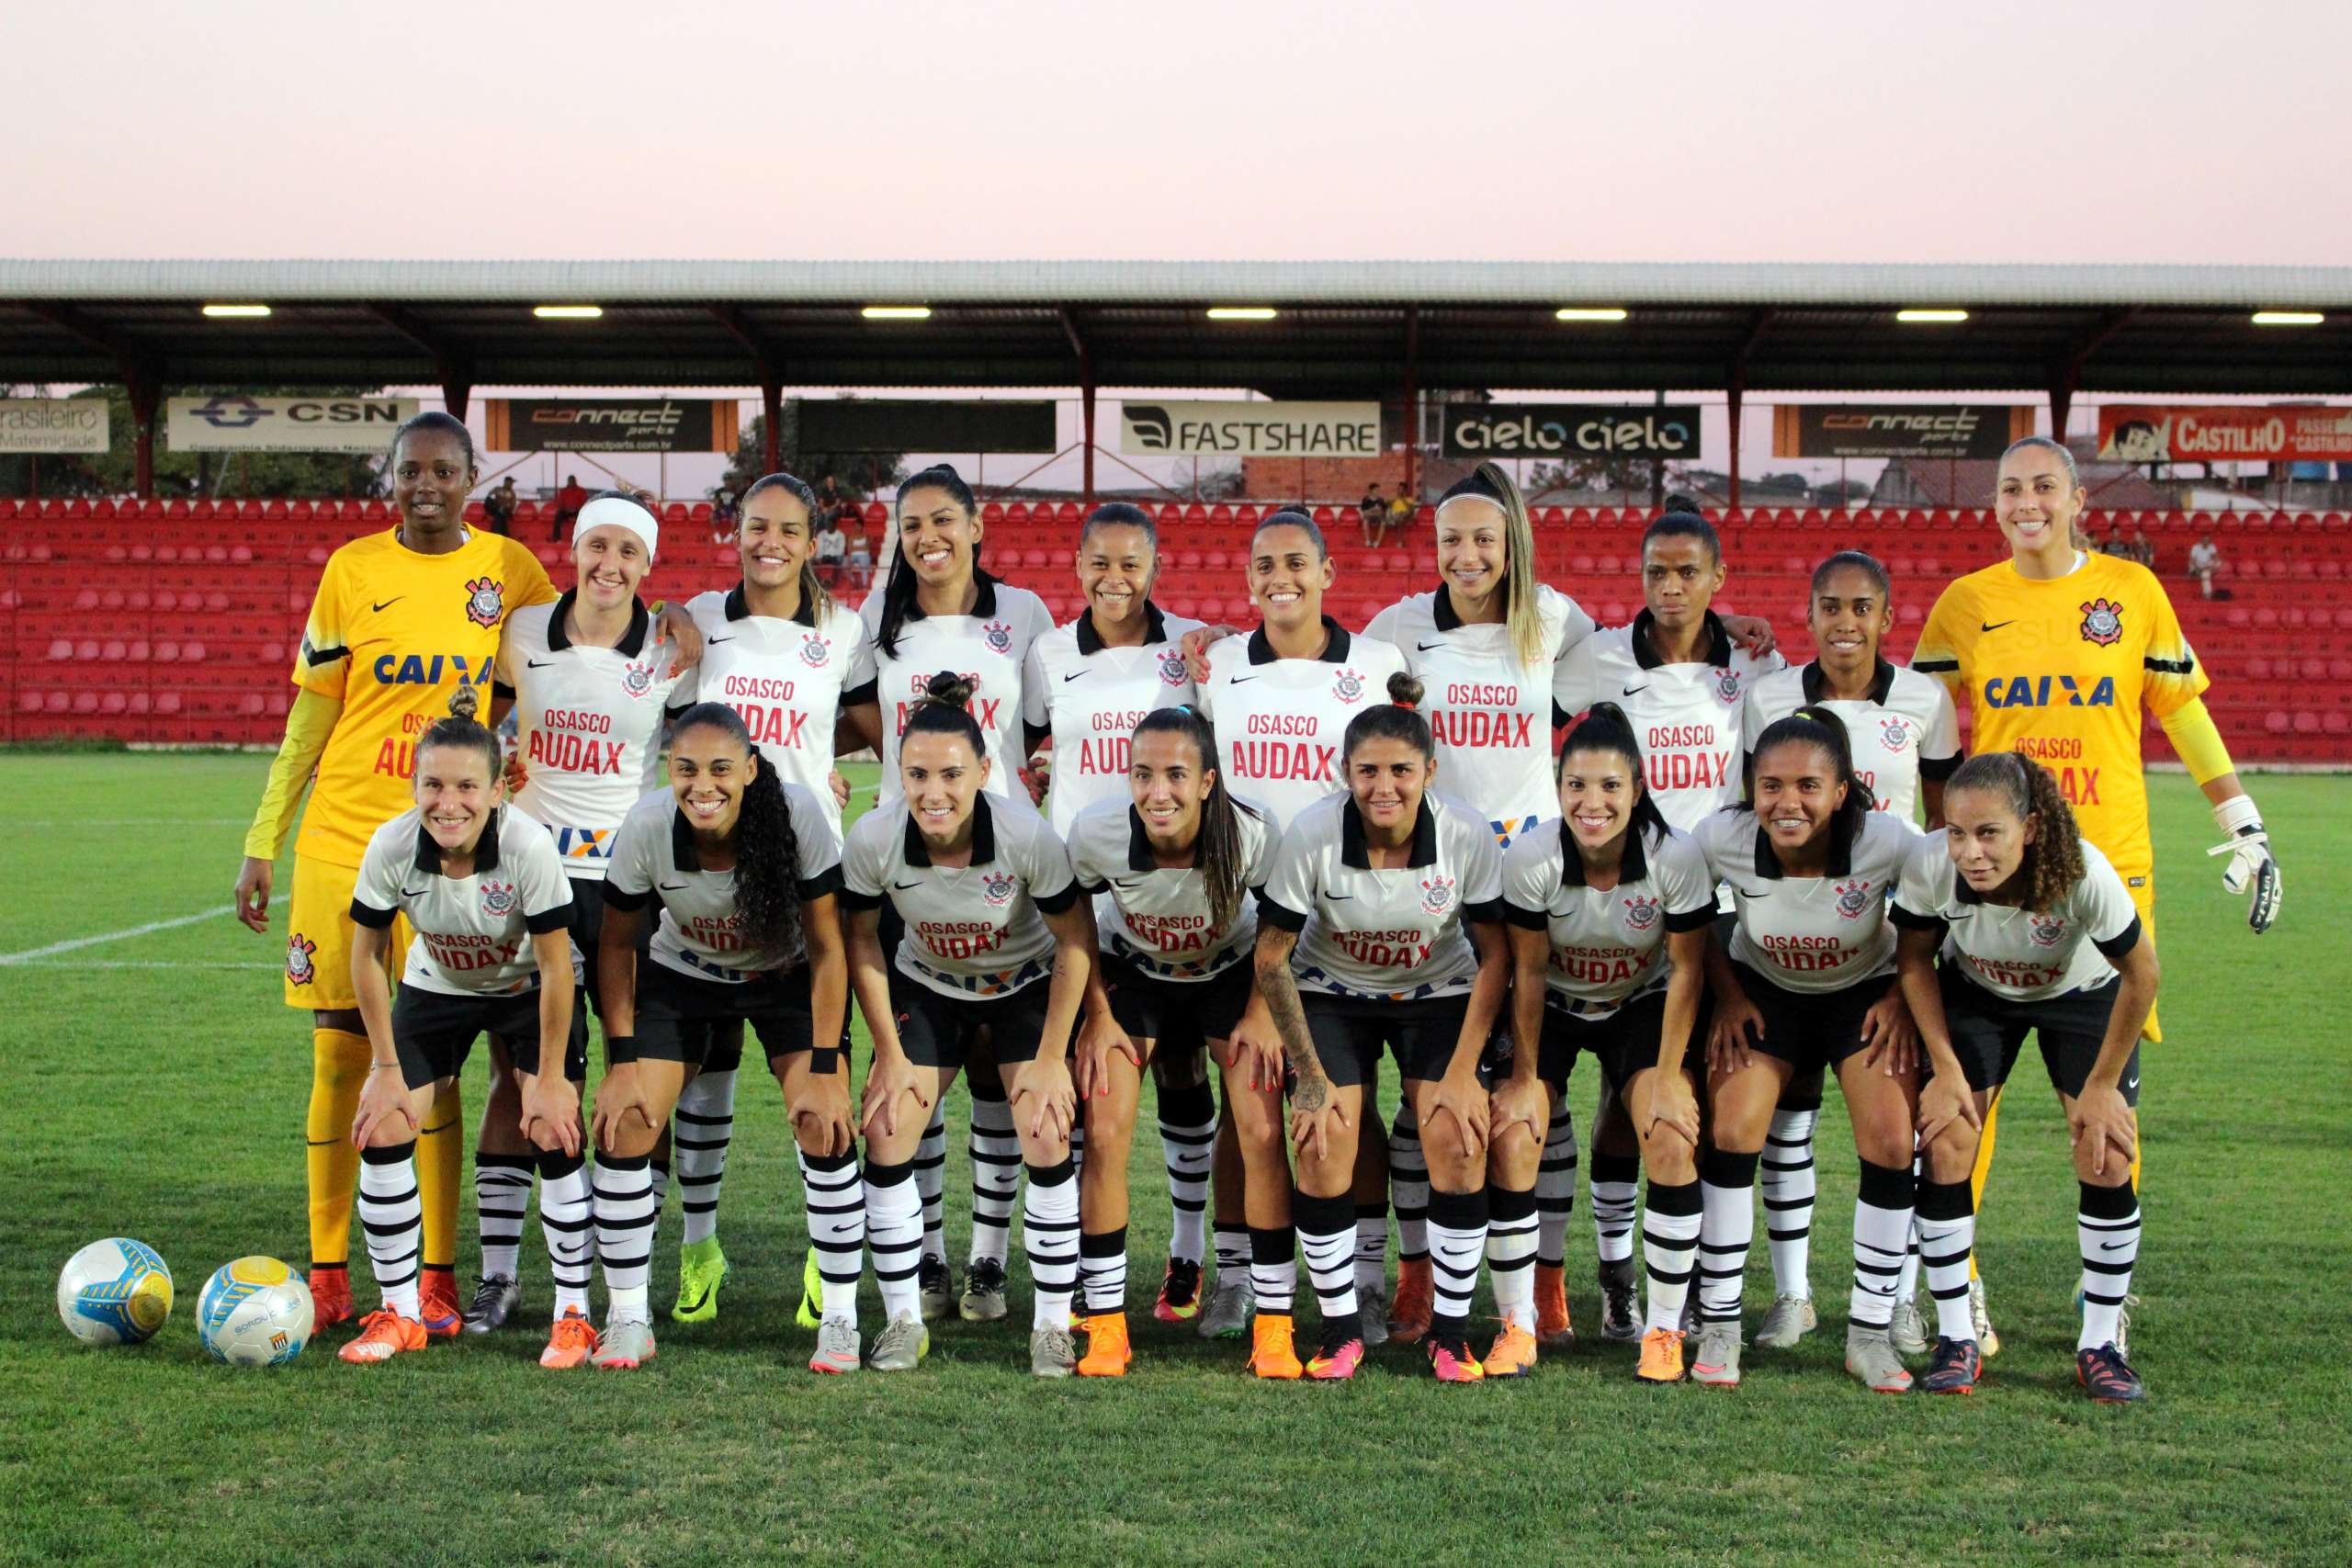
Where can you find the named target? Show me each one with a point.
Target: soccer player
(746, 869)
(1809, 982)
(1679, 671)
(1907, 743)
(2037, 932)
(780, 650)
(402, 621)
(993, 937)
(2059, 652)
(1609, 911)
(1172, 869)
(938, 610)
(483, 890)
(591, 682)
(1087, 686)
(1382, 928)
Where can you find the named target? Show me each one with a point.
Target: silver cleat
(1909, 1329)
(1052, 1352)
(495, 1300)
(1716, 1361)
(1786, 1321)
(1231, 1306)
(628, 1342)
(983, 1297)
(938, 1288)
(1870, 1355)
(900, 1346)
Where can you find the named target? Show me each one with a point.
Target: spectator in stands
(567, 502)
(2143, 548)
(1400, 513)
(2204, 562)
(499, 506)
(722, 509)
(861, 556)
(833, 549)
(1373, 513)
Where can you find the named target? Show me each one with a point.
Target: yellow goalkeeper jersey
(2063, 670)
(392, 634)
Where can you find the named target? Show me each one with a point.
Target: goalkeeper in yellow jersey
(2058, 652)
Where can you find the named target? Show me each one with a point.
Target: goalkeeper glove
(2250, 864)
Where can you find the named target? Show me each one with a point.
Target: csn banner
(611, 424)
(2145, 433)
(1571, 430)
(232, 422)
(54, 424)
(1250, 430)
(1897, 430)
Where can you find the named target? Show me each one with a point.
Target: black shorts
(1349, 1035)
(1812, 1029)
(937, 1031)
(1179, 1016)
(1624, 1043)
(683, 1017)
(434, 1031)
(1987, 1031)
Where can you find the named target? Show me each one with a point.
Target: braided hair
(2053, 862)
(1813, 725)
(768, 849)
(1217, 853)
(1606, 729)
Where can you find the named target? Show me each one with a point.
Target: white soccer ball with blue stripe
(116, 1292)
(254, 1312)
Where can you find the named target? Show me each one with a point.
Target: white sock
(1103, 1271)
(1326, 1234)
(1556, 1191)
(1670, 1222)
(1882, 1232)
(1943, 1232)
(394, 1221)
(930, 1182)
(1188, 1148)
(1049, 1235)
(2107, 1229)
(1457, 1240)
(1232, 1244)
(1616, 1199)
(1726, 1227)
(624, 1205)
(894, 1235)
(996, 1179)
(1371, 1250)
(502, 1201)
(1788, 1182)
(567, 1217)
(704, 1126)
(1511, 1254)
(1409, 1185)
(835, 1198)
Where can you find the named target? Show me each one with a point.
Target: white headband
(622, 512)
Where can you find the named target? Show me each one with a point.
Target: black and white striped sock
(1409, 1185)
(1371, 1250)
(567, 1218)
(930, 1170)
(1326, 1234)
(1788, 1182)
(501, 1202)
(835, 1198)
(1102, 1270)
(1942, 1235)
(996, 1174)
(1726, 1227)
(1273, 1268)
(2107, 1230)
(624, 1205)
(1881, 1230)
(394, 1221)
(1556, 1189)
(1049, 1236)
(1616, 1190)
(1510, 1254)
(1669, 1235)
(704, 1126)
(894, 1235)
(1187, 1147)
(1457, 1241)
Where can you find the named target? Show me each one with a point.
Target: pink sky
(1698, 131)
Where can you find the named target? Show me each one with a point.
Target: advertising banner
(232, 422)
(2148, 433)
(915, 424)
(1571, 430)
(611, 424)
(54, 424)
(1897, 430)
(1250, 430)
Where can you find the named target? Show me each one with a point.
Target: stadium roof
(1341, 328)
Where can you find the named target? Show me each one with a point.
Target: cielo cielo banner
(1897, 430)
(54, 424)
(1571, 430)
(2149, 432)
(1250, 430)
(611, 424)
(232, 422)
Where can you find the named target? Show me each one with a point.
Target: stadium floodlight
(1589, 314)
(896, 313)
(567, 312)
(2287, 319)
(1241, 312)
(225, 312)
(1931, 317)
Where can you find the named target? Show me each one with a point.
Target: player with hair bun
(994, 939)
(1381, 929)
(2038, 932)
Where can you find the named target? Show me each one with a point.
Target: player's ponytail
(1816, 726)
(1605, 730)
(899, 587)
(767, 851)
(460, 730)
(2053, 862)
(813, 593)
(1398, 719)
(1218, 854)
(944, 708)
(1522, 616)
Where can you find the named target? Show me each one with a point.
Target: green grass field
(154, 1086)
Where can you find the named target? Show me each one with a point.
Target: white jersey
(785, 677)
(1685, 715)
(987, 648)
(1902, 732)
(474, 932)
(1090, 697)
(1606, 947)
(701, 931)
(588, 724)
(1811, 934)
(2015, 953)
(1280, 722)
(974, 931)
(1155, 916)
(1394, 934)
(1491, 715)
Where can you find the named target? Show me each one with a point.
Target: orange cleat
(1661, 1357)
(330, 1295)
(1552, 1325)
(1409, 1314)
(571, 1342)
(1274, 1350)
(383, 1334)
(1513, 1355)
(436, 1300)
(1107, 1350)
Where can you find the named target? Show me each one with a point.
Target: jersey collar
(1442, 607)
(1334, 652)
(681, 841)
(1768, 865)
(983, 600)
(632, 641)
(1718, 642)
(1351, 845)
(428, 854)
(1632, 869)
(1139, 855)
(738, 608)
(1089, 641)
(983, 835)
(1882, 681)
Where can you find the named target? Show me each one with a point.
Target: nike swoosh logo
(1632, 690)
(1337, 898)
(412, 892)
(390, 603)
(903, 886)
(1237, 680)
(672, 887)
(708, 640)
(2134, 1083)
(1068, 679)
(1993, 626)
(537, 663)
(1428, 646)
(2114, 1245)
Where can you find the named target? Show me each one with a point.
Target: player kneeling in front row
(745, 868)
(993, 939)
(491, 908)
(1398, 893)
(2038, 932)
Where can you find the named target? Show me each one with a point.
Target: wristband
(824, 1061)
(2237, 816)
(620, 1050)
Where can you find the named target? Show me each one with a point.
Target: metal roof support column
(1734, 393)
(1085, 402)
(457, 392)
(1412, 402)
(771, 424)
(145, 397)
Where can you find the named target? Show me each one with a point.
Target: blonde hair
(1523, 616)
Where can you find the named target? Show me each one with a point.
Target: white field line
(10, 824)
(128, 963)
(77, 943)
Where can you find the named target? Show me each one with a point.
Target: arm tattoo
(1279, 989)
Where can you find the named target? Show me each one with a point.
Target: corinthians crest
(2103, 621)
(498, 899)
(1347, 685)
(1437, 895)
(997, 886)
(1641, 914)
(485, 601)
(1171, 666)
(1853, 897)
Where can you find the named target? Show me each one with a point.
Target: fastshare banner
(1207, 429)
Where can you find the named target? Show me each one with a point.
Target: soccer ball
(254, 1313)
(116, 1292)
